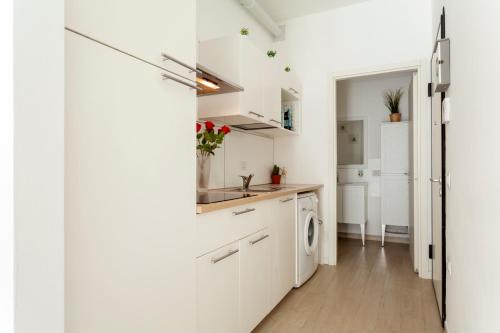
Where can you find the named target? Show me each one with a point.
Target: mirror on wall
(350, 143)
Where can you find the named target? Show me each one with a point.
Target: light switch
(446, 113)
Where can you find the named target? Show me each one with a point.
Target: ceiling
(282, 10)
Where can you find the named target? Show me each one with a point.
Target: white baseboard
(388, 239)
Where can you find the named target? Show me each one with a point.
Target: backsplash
(242, 154)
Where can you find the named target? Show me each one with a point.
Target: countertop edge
(206, 208)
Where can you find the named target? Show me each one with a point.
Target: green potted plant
(208, 140)
(275, 175)
(391, 102)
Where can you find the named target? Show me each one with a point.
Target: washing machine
(307, 232)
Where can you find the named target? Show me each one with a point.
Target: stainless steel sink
(259, 189)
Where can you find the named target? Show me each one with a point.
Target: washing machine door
(311, 233)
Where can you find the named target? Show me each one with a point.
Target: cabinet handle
(293, 90)
(256, 114)
(169, 77)
(230, 253)
(253, 242)
(286, 200)
(275, 121)
(167, 57)
(248, 210)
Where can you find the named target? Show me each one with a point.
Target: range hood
(213, 84)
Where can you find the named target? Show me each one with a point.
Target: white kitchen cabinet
(352, 199)
(267, 87)
(290, 82)
(238, 60)
(290, 96)
(145, 29)
(272, 91)
(218, 290)
(255, 277)
(283, 241)
(129, 210)
(218, 228)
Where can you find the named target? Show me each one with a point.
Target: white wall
(473, 222)
(217, 18)
(39, 165)
(362, 98)
(369, 34)
(242, 153)
(6, 169)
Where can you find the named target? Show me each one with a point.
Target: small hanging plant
(244, 31)
(271, 53)
(287, 69)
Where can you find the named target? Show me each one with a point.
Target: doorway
(368, 166)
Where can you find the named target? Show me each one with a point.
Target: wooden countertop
(259, 196)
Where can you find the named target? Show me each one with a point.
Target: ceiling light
(207, 83)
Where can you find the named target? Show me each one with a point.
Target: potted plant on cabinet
(275, 175)
(208, 140)
(391, 102)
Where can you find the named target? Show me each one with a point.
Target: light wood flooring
(372, 289)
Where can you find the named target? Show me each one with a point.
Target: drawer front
(216, 229)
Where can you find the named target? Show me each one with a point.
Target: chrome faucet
(246, 181)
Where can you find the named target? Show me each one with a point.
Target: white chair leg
(362, 233)
(383, 234)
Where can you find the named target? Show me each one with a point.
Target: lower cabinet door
(353, 204)
(283, 265)
(255, 274)
(218, 289)
(395, 200)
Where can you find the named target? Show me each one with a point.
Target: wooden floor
(372, 289)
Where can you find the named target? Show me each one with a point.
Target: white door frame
(421, 157)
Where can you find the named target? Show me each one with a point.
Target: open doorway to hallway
(375, 158)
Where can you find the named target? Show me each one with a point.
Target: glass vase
(202, 171)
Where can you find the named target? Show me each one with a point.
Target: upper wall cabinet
(269, 103)
(145, 29)
(239, 61)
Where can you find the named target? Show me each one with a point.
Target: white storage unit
(145, 29)
(267, 87)
(218, 290)
(125, 197)
(283, 261)
(395, 200)
(352, 205)
(238, 60)
(263, 234)
(255, 277)
(394, 147)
